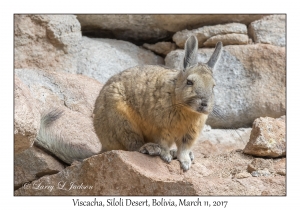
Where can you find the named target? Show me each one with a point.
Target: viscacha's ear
(216, 55)
(190, 52)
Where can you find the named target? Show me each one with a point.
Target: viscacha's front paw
(166, 156)
(185, 164)
(173, 153)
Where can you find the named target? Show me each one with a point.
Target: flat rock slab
(205, 33)
(227, 39)
(269, 30)
(133, 173)
(152, 28)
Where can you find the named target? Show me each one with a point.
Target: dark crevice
(44, 173)
(117, 34)
(50, 154)
(16, 187)
(37, 176)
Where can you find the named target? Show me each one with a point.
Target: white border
(153, 6)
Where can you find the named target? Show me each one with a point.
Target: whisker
(218, 113)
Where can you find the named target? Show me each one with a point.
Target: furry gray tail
(57, 141)
(48, 118)
(45, 138)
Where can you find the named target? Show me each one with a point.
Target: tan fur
(154, 105)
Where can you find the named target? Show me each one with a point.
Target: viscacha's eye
(189, 82)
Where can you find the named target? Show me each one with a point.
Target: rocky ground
(62, 61)
(137, 174)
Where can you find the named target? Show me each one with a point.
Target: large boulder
(269, 30)
(47, 42)
(268, 138)
(55, 89)
(152, 28)
(133, 173)
(54, 42)
(102, 58)
(32, 164)
(251, 83)
(26, 117)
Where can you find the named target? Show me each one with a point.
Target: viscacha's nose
(204, 104)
